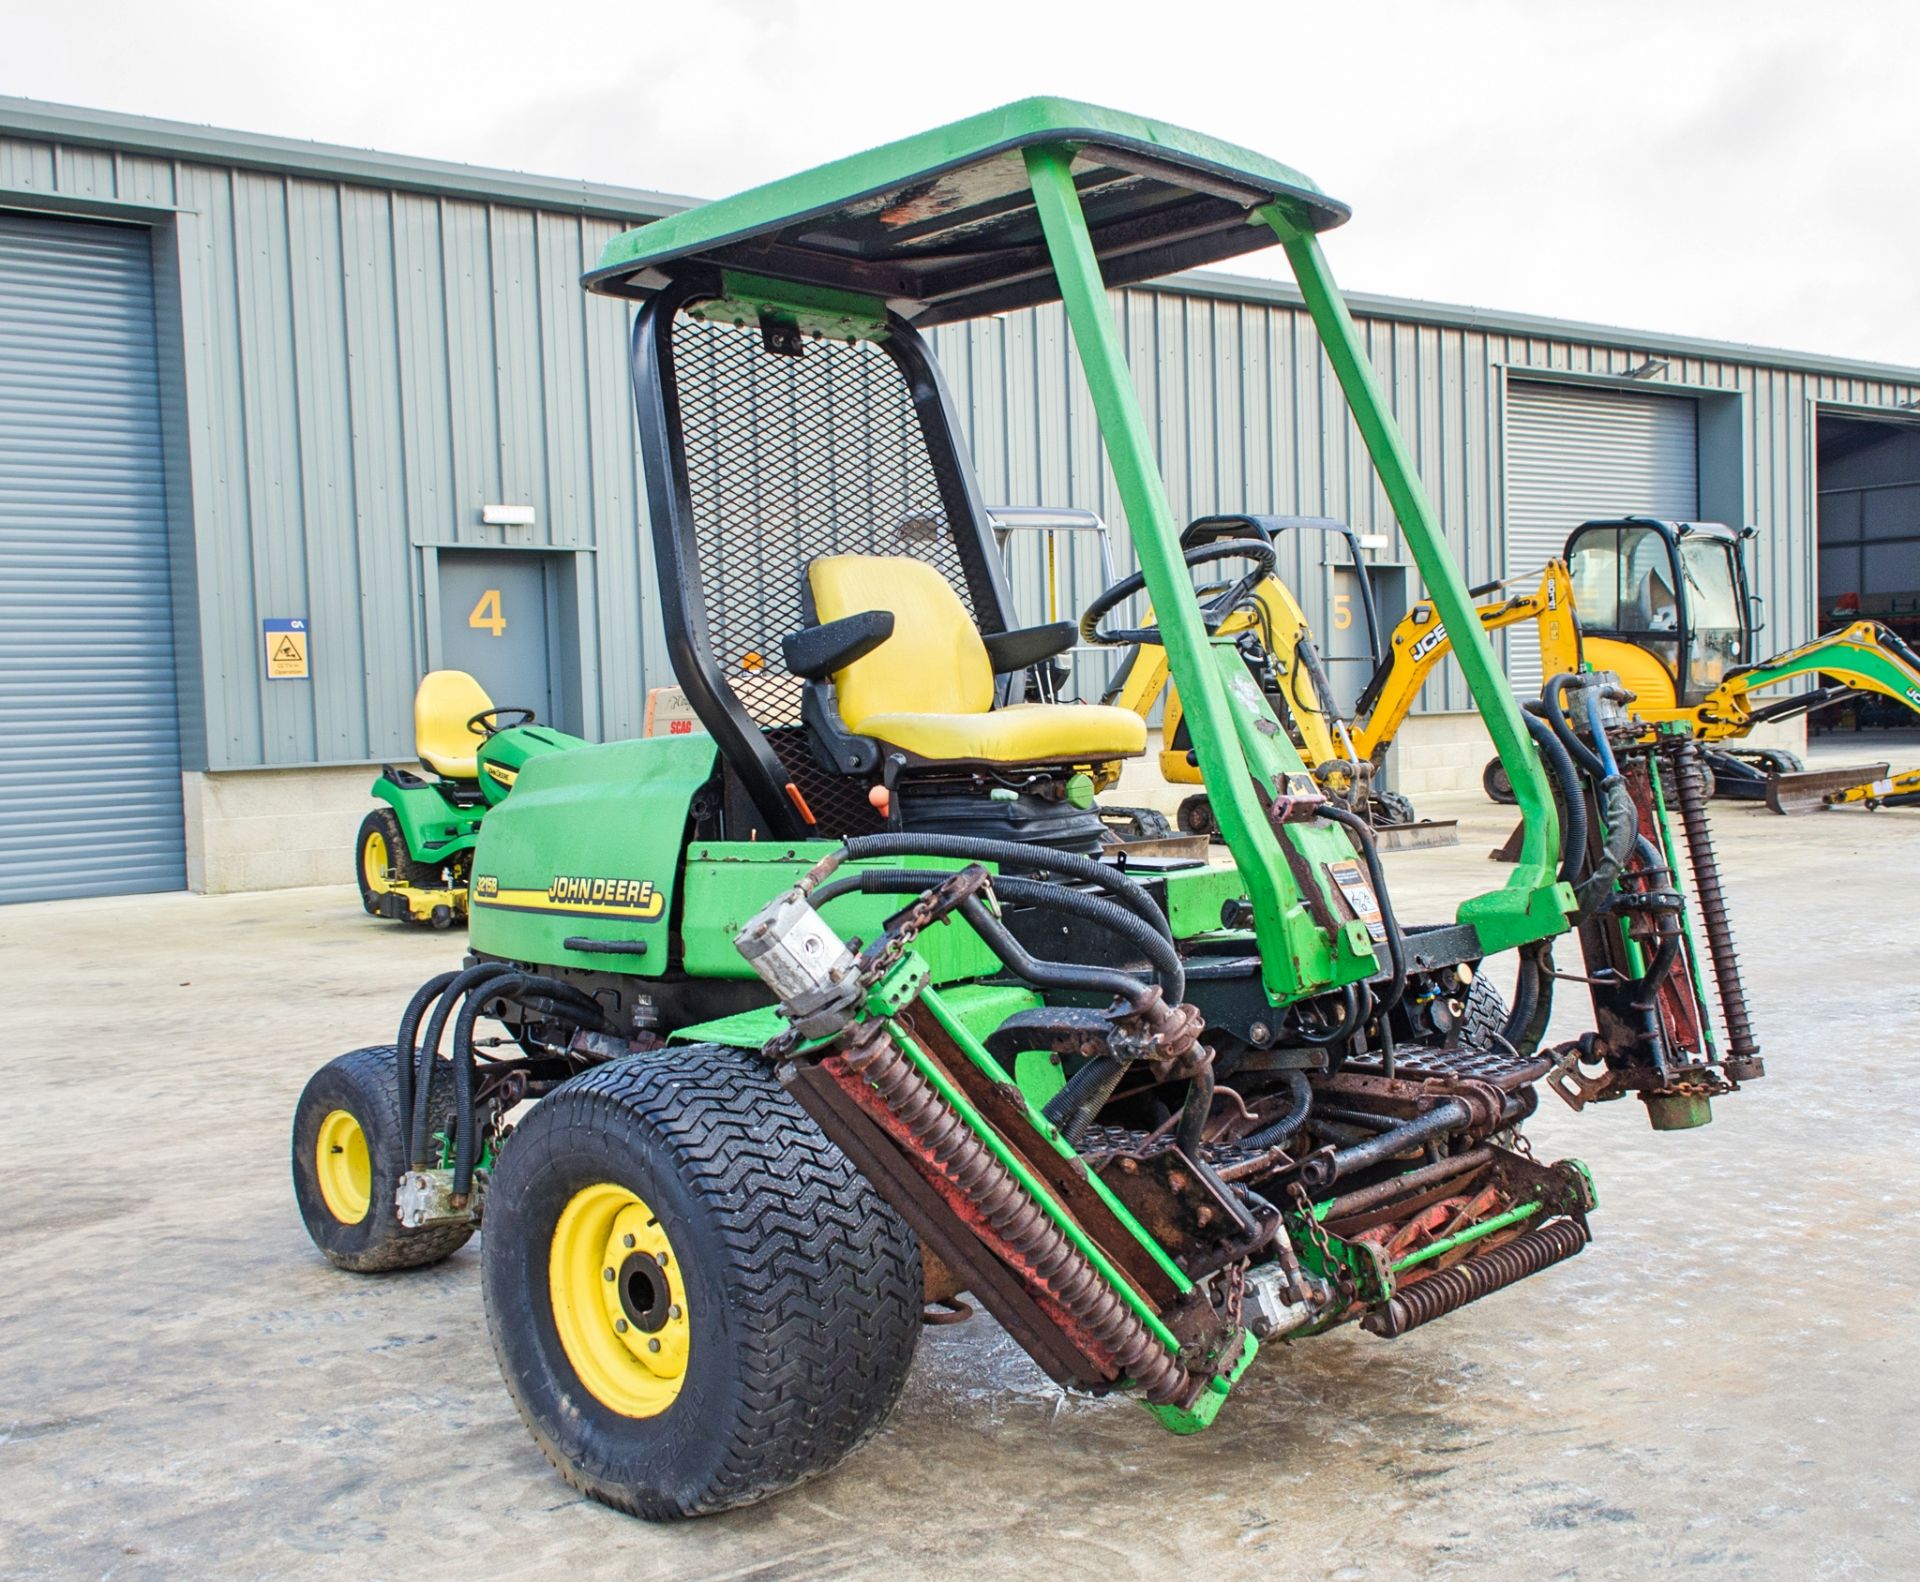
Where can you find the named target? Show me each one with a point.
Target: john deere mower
(413, 854)
(775, 1041)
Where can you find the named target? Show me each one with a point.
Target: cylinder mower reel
(777, 1039)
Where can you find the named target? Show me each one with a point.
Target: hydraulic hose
(1276, 1132)
(1396, 941)
(1555, 698)
(1597, 728)
(1573, 800)
(1344, 1028)
(1156, 947)
(510, 986)
(1012, 854)
(462, 984)
(1073, 1108)
(1047, 974)
(404, 1050)
(1622, 822)
(1532, 1005)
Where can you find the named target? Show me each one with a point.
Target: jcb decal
(1428, 642)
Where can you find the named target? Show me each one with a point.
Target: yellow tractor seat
(442, 740)
(928, 688)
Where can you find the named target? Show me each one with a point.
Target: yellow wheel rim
(374, 862)
(619, 1302)
(340, 1162)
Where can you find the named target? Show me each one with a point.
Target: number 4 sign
(487, 616)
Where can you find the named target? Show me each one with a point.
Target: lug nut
(653, 1345)
(620, 1326)
(627, 1240)
(661, 1259)
(673, 1310)
(606, 1274)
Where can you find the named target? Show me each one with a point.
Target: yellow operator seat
(928, 688)
(442, 739)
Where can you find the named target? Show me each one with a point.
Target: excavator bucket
(1815, 789)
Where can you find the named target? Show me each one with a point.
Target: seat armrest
(820, 650)
(1010, 651)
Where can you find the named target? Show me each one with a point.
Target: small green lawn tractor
(413, 855)
(839, 1016)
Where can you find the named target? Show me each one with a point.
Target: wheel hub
(342, 1167)
(619, 1302)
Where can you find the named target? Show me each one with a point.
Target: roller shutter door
(90, 799)
(1575, 454)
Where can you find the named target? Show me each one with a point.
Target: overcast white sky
(1739, 170)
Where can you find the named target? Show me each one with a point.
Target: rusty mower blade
(1814, 789)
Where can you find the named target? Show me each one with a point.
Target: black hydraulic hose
(417, 1133)
(1156, 947)
(1573, 799)
(1012, 854)
(1666, 923)
(1276, 1132)
(403, 1044)
(1555, 698)
(1047, 974)
(1622, 821)
(1345, 1027)
(1396, 941)
(1073, 1108)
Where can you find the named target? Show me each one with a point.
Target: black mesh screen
(792, 457)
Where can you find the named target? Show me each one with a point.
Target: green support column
(1532, 904)
(1156, 539)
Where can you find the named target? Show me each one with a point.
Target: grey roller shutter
(90, 800)
(1575, 454)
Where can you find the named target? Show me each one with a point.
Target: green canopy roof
(942, 226)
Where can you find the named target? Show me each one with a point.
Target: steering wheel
(1215, 610)
(488, 722)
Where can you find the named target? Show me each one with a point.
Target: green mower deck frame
(824, 1022)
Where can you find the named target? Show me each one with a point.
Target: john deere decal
(577, 895)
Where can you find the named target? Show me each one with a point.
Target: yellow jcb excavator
(1346, 754)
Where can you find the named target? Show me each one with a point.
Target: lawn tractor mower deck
(839, 1016)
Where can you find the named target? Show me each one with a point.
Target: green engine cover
(589, 847)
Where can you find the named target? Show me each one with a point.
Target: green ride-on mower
(414, 855)
(835, 1018)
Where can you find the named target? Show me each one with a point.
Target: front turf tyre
(695, 1300)
(349, 1152)
(382, 861)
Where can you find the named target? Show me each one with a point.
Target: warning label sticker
(286, 644)
(1352, 883)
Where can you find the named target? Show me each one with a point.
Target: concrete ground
(1722, 1386)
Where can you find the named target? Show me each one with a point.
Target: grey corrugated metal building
(353, 360)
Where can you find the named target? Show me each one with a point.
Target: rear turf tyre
(349, 1151)
(758, 1326)
(381, 858)
(1494, 780)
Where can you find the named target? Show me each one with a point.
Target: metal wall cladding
(90, 799)
(368, 367)
(371, 364)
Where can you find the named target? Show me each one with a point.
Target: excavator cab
(1664, 604)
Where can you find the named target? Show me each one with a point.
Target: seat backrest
(934, 663)
(447, 699)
